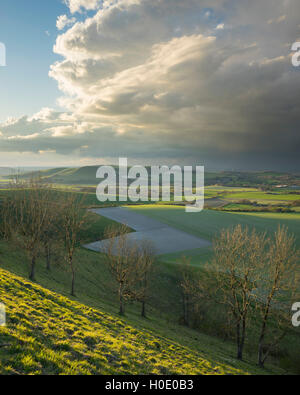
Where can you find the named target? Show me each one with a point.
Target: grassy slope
(69, 176)
(48, 334)
(96, 289)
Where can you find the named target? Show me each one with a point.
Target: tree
(32, 204)
(121, 259)
(187, 287)
(143, 266)
(72, 221)
(51, 237)
(281, 282)
(238, 255)
(197, 292)
(6, 218)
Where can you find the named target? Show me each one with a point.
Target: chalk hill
(47, 333)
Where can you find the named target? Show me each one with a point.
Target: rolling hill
(6, 171)
(47, 333)
(67, 176)
(87, 176)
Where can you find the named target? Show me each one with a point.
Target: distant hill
(87, 176)
(9, 171)
(6, 171)
(68, 176)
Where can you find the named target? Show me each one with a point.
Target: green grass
(208, 223)
(47, 333)
(194, 352)
(258, 196)
(95, 228)
(95, 288)
(237, 206)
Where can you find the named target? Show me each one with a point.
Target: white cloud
(27, 137)
(220, 26)
(63, 21)
(45, 115)
(70, 130)
(77, 5)
(45, 152)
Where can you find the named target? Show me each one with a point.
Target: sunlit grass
(48, 334)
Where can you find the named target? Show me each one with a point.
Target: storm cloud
(199, 81)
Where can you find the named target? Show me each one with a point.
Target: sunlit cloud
(204, 80)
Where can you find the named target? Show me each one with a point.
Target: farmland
(95, 290)
(261, 196)
(208, 223)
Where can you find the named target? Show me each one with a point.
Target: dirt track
(164, 239)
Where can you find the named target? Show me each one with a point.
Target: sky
(207, 82)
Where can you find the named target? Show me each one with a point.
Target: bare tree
(197, 292)
(72, 221)
(32, 204)
(8, 207)
(144, 264)
(121, 258)
(187, 288)
(6, 217)
(51, 238)
(279, 284)
(238, 253)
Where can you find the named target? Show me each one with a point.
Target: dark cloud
(200, 81)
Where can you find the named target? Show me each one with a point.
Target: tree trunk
(260, 351)
(122, 309)
(143, 309)
(48, 257)
(240, 353)
(73, 278)
(32, 271)
(242, 341)
(261, 361)
(239, 346)
(185, 303)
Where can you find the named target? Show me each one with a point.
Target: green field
(208, 223)
(261, 196)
